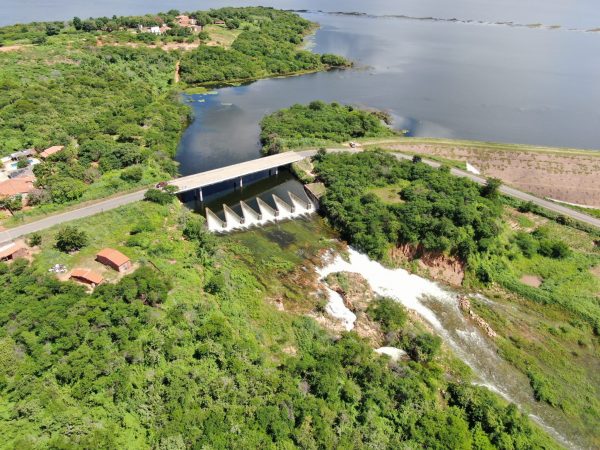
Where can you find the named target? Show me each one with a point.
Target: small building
(164, 28)
(86, 276)
(51, 151)
(155, 30)
(26, 172)
(183, 20)
(22, 154)
(114, 259)
(12, 251)
(17, 186)
(219, 22)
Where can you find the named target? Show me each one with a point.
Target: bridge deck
(215, 176)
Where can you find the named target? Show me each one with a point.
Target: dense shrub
(70, 239)
(317, 124)
(439, 212)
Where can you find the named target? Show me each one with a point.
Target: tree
(35, 240)
(71, 239)
(12, 203)
(158, 196)
(195, 230)
(132, 174)
(39, 40)
(389, 313)
(490, 189)
(65, 189)
(77, 23)
(424, 347)
(22, 162)
(52, 29)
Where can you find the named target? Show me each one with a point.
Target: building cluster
(181, 20)
(16, 171)
(109, 257)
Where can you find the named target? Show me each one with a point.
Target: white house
(155, 30)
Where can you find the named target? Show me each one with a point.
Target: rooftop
(115, 256)
(51, 150)
(87, 274)
(16, 186)
(10, 249)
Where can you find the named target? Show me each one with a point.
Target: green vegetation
(70, 239)
(502, 261)
(160, 196)
(439, 212)
(268, 46)
(115, 107)
(186, 349)
(319, 124)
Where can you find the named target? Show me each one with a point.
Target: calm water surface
(450, 79)
(440, 79)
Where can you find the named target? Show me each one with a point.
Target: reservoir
(508, 71)
(437, 79)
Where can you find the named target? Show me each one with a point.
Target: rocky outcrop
(439, 266)
(357, 294)
(353, 288)
(465, 305)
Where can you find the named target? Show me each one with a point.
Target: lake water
(438, 78)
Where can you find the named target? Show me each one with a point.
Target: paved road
(219, 174)
(84, 211)
(512, 192)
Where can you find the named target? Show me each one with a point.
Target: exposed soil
(357, 295)
(531, 280)
(439, 266)
(177, 77)
(465, 305)
(13, 48)
(570, 178)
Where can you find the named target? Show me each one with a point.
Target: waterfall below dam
(246, 217)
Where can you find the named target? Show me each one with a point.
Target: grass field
(222, 36)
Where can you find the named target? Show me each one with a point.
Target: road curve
(115, 202)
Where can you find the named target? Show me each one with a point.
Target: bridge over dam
(275, 208)
(236, 173)
(242, 173)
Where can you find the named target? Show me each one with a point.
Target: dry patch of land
(561, 174)
(13, 48)
(531, 280)
(389, 194)
(170, 46)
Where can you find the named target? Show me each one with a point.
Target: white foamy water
(439, 307)
(336, 308)
(394, 283)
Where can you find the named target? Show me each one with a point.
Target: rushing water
(439, 307)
